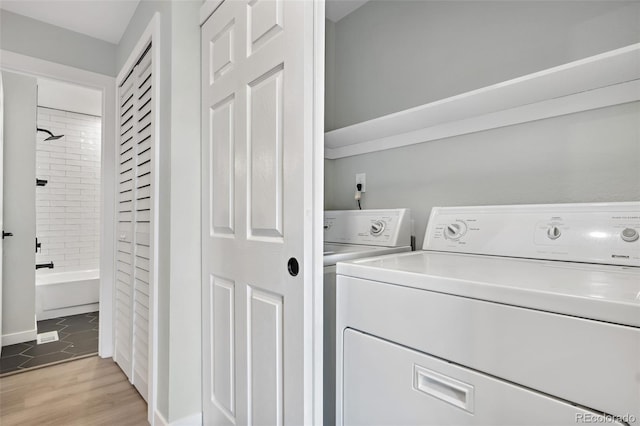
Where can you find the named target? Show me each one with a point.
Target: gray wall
(391, 55)
(185, 396)
(179, 289)
(18, 273)
(137, 25)
(30, 37)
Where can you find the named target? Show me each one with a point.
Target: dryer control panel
(606, 233)
(387, 228)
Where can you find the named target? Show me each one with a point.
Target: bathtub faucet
(44, 265)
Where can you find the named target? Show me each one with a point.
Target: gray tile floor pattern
(78, 337)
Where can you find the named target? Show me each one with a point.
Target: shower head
(51, 137)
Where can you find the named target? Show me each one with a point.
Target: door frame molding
(315, 294)
(1, 195)
(151, 35)
(36, 67)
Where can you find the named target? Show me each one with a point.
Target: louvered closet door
(132, 349)
(142, 223)
(124, 245)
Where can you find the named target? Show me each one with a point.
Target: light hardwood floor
(89, 391)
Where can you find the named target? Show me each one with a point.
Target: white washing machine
(354, 234)
(511, 315)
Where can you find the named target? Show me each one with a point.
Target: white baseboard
(192, 420)
(19, 337)
(159, 420)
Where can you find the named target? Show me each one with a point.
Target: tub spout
(44, 265)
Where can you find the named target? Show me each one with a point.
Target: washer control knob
(629, 235)
(553, 232)
(377, 227)
(455, 230)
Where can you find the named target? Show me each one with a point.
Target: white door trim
(150, 35)
(207, 9)
(23, 64)
(1, 194)
(316, 294)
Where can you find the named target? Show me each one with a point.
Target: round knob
(377, 227)
(553, 232)
(455, 230)
(629, 235)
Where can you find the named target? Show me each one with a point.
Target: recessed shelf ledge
(599, 81)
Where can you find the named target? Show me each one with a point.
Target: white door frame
(28, 65)
(1, 194)
(151, 35)
(315, 298)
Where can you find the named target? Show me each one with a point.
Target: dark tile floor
(78, 337)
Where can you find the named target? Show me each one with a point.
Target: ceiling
(102, 19)
(107, 19)
(338, 9)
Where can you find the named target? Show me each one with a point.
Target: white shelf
(607, 79)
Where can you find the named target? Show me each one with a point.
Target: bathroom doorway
(66, 169)
(74, 222)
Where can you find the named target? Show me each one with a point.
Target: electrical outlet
(361, 178)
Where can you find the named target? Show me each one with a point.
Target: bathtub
(67, 293)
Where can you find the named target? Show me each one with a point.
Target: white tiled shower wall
(68, 207)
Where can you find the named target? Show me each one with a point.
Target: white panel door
(257, 162)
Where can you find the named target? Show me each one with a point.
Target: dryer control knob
(377, 227)
(629, 235)
(553, 232)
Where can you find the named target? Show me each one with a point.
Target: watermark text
(604, 418)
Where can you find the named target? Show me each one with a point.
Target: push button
(629, 235)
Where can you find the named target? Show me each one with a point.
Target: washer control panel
(388, 228)
(607, 233)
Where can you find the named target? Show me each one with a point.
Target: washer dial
(553, 232)
(377, 227)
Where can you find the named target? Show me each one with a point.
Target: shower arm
(45, 131)
(51, 137)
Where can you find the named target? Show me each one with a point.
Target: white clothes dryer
(510, 315)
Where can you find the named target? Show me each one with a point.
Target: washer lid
(334, 253)
(599, 292)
